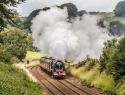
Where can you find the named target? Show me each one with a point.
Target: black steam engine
(55, 67)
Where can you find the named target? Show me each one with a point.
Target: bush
(14, 60)
(5, 56)
(13, 45)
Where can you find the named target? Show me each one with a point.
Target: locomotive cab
(59, 69)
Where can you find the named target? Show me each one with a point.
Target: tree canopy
(120, 9)
(113, 58)
(6, 13)
(13, 44)
(116, 28)
(71, 9)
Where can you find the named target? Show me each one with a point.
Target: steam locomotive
(55, 67)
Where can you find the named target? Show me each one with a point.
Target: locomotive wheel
(62, 77)
(53, 76)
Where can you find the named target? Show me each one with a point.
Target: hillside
(114, 24)
(109, 17)
(15, 82)
(89, 73)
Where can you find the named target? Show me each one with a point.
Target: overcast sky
(89, 5)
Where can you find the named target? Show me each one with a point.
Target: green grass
(15, 82)
(90, 75)
(34, 55)
(104, 82)
(120, 90)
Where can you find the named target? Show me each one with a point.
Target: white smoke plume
(55, 35)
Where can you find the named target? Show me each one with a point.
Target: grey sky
(89, 5)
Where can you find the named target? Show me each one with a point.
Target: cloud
(89, 5)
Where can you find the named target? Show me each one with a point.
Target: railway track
(67, 86)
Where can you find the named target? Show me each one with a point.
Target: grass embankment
(15, 82)
(89, 74)
(33, 55)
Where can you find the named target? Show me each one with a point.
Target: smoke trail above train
(68, 37)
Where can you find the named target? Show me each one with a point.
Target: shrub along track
(67, 86)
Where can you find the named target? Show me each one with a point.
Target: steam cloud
(74, 40)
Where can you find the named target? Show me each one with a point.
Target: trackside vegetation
(15, 82)
(107, 73)
(14, 44)
(30, 55)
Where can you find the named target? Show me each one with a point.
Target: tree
(116, 28)
(119, 60)
(82, 12)
(27, 23)
(5, 56)
(7, 14)
(113, 58)
(71, 9)
(108, 54)
(120, 9)
(15, 42)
